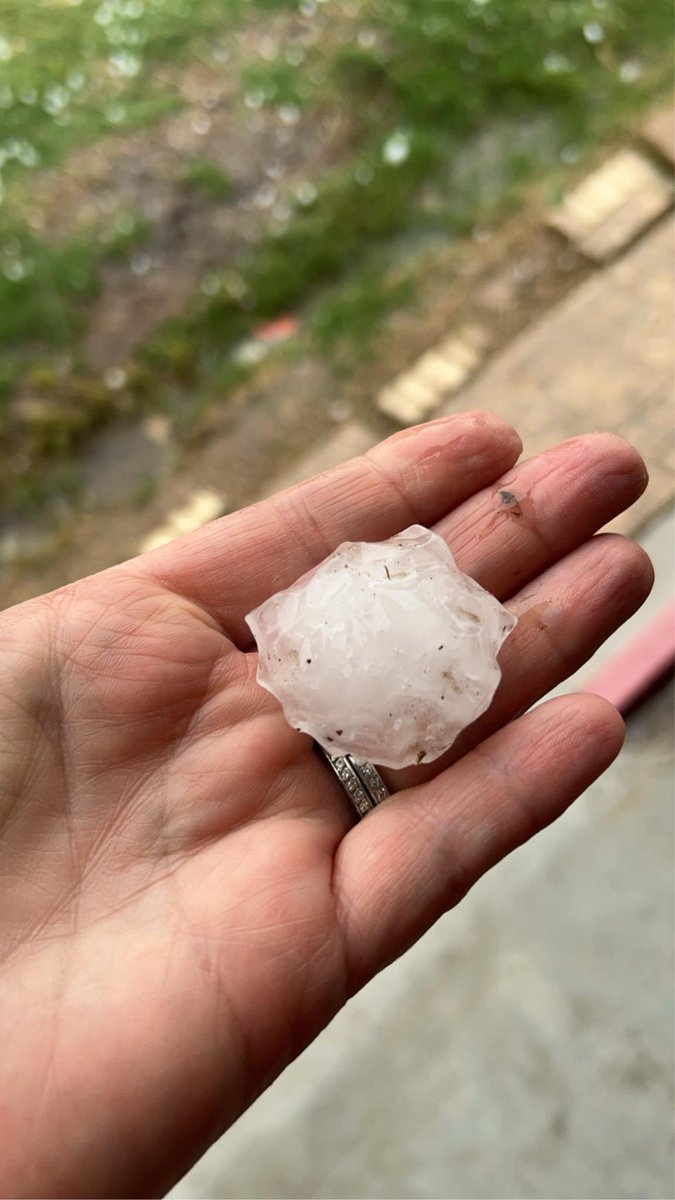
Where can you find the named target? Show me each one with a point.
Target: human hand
(185, 900)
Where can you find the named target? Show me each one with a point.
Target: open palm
(185, 899)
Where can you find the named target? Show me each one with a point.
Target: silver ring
(361, 781)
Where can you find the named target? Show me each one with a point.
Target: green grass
(72, 72)
(208, 180)
(277, 83)
(356, 208)
(346, 319)
(445, 66)
(44, 290)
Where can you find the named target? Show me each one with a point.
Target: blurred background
(242, 240)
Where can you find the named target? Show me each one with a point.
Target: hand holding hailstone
(186, 898)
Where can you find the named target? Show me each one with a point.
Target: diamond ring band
(361, 781)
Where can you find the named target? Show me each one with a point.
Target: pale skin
(185, 898)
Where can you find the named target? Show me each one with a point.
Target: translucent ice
(385, 651)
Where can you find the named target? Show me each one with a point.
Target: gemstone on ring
(361, 782)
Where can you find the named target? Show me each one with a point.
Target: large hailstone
(385, 651)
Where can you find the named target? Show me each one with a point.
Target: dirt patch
(265, 151)
(268, 155)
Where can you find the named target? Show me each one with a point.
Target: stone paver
(659, 133)
(613, 205)
(442, 371)
(203, 505)
(603, 359)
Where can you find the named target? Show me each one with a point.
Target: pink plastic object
(633, 671)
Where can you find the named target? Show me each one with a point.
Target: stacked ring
(361, 781)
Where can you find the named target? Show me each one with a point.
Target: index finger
(416, 476)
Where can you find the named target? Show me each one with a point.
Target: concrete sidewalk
(603, 359)
(525, 1047)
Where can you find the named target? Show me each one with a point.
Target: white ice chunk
(385, 651)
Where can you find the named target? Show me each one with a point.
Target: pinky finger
(419, 854)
